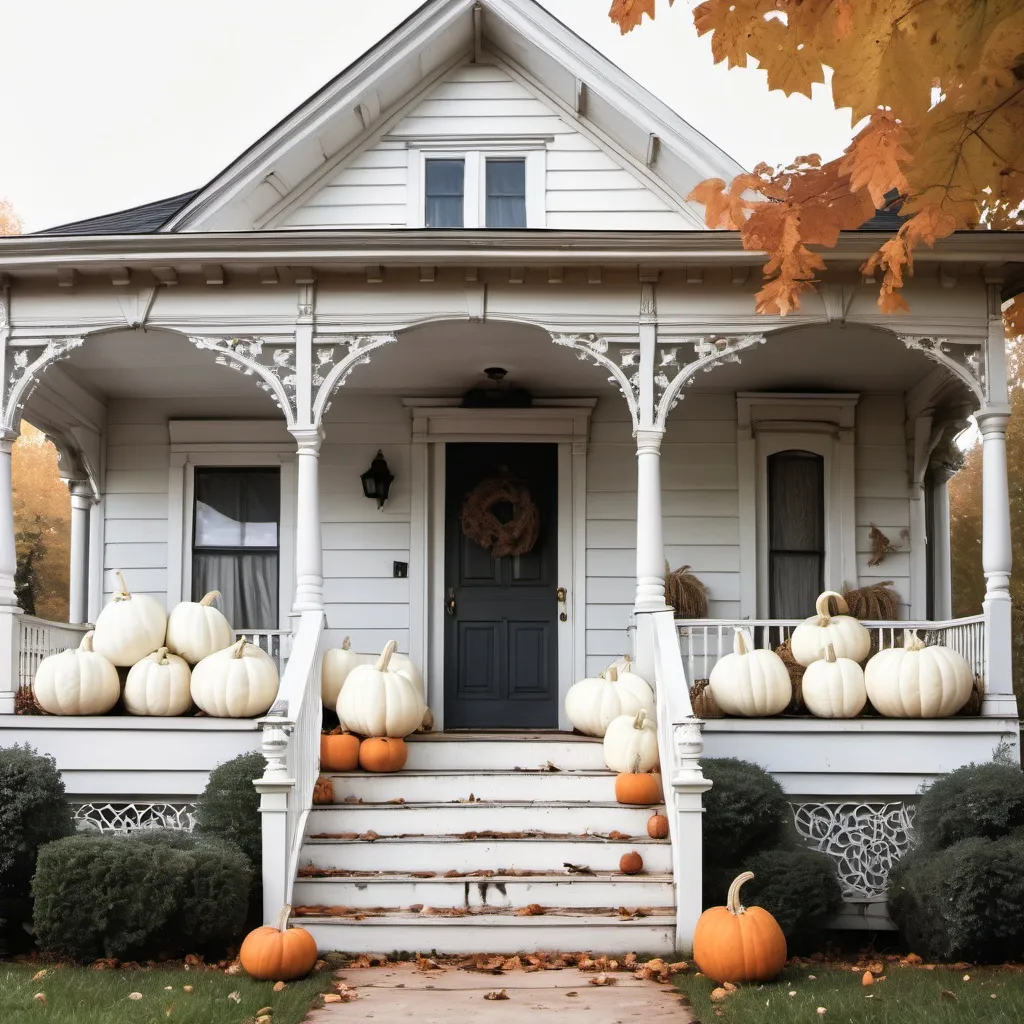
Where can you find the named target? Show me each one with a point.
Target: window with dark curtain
(445, 188)
(235, 543)
(506, 193)
(796, 533)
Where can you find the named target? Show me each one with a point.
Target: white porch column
(942, 575)
(78, 585)
(650, 545)
(10, 632)
(996, 560)
(309, 554)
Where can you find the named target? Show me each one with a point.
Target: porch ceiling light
(377, 480)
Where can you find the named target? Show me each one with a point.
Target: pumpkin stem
(346, 644)
(161, 657)
(821, 606)
(210, 598)
(638, 722)
(238, 648)
(911, 641)
(385, 655)
(732, 903)
(86, 644)
(123, 594)
(742, 643)
(282, 918)
(636, 765)
(830, 654)
(613, 674)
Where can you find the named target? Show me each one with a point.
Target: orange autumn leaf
(627, 14)
(10, 222)
(876, 158)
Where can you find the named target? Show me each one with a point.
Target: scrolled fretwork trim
(331, 373)
(23, 373)
(970, 371)
(596, 349)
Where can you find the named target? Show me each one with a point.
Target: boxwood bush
(745, 811)
(141, 895)
(799, 887)
(229, 807)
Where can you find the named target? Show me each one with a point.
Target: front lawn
(80, 995)
(909, 994)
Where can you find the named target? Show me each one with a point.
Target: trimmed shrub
(978, 800)
(33, 811)
(964, 902)
(798, 887)
(148, 893)
(229, 807)
(745, 812)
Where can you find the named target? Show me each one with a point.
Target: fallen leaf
(577, 869)
(39, 975)
(603, 979)
(40, 997)
(498, 994)
(426, 964)
(533, 910)
(370, 836)
(332, 997)
(911, 958)
(949, 997)
(572, 993)
(729, 987)
(264, 1018)
(821, 1011)
(188, 989)
(234, 969)
(279, 986)
(967, 977)
(235, 997)
(264, 1011)
(719, 995)
(135, 995)
(514, 963)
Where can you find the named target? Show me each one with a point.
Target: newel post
(10, 623)
(274, 788)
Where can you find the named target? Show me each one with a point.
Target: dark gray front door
(500, 645)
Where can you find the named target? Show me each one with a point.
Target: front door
(500, 644)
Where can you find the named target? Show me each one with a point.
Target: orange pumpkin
(631, 863)
(339, 752)
(278, 954)
(657, 826)
(736, 943)
(382, 754)
(637, 787)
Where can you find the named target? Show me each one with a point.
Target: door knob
(561, 594)
(449, 603)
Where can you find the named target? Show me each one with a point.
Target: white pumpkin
(834, 687)
(238, 682)
(845, 633)
(337, 664)
(130, 627)
(915, 681)
(404, 664)
(378, 701)
(196, 629)
(631, 743)
(160, 684)
(592, 704)
(79, 682)
(749, 682)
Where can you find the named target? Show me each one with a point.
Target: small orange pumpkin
(637, 787)
(382, 754)
(736, 943)
(339, 752)
(631, 863)
(278, 954)
(657, 826)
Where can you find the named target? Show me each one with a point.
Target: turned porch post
(309, 554)
(9, 610)
(78, 584)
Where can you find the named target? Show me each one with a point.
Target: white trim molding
(769, 422)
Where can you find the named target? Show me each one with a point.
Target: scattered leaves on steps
(603, 979)
(499, 994)
(424, 963)
(370, 836)
(577, 869)
(532, 910)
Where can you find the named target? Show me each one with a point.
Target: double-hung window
(445, 190)
(506, 194)
(235, 547)
(474, 190)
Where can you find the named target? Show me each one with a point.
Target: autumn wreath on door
(516, 536)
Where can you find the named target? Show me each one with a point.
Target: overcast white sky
(112, 103)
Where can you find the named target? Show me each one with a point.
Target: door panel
(501, 648)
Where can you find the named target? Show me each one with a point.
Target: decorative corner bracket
(966, 362)
(24, 365)
(617, 358)
(334, 359)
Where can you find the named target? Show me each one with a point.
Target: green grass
(909, 995)
(77, 995)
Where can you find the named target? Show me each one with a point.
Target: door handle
(449, 603)
(561, 594)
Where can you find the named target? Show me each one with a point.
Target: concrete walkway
(454, 996)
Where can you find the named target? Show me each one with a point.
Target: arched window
(796, 532)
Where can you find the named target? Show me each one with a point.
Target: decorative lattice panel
(129, 817)
(865, 841)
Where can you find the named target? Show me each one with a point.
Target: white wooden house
(484, 190)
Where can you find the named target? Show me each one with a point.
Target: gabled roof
(136, 220)
(351, 108)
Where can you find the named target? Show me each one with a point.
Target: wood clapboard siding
(585, 185)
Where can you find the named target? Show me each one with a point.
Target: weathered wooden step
(503, 751)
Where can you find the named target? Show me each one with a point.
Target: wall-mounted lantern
(377, 480)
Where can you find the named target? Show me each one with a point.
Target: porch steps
(488, 826)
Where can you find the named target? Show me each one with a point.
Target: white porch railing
(38, 639)
(276, 642)
(291, 745)
(704, 641)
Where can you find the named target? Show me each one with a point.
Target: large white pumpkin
(845, 633)
(592, 704)
(914, 681)
(751, 682)
(337, 664)
(631, 743)
(79, 682)
(160, 684)
(196, 629)
(378, 701)
(239, 682)
(834, 687)
(130, 627)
